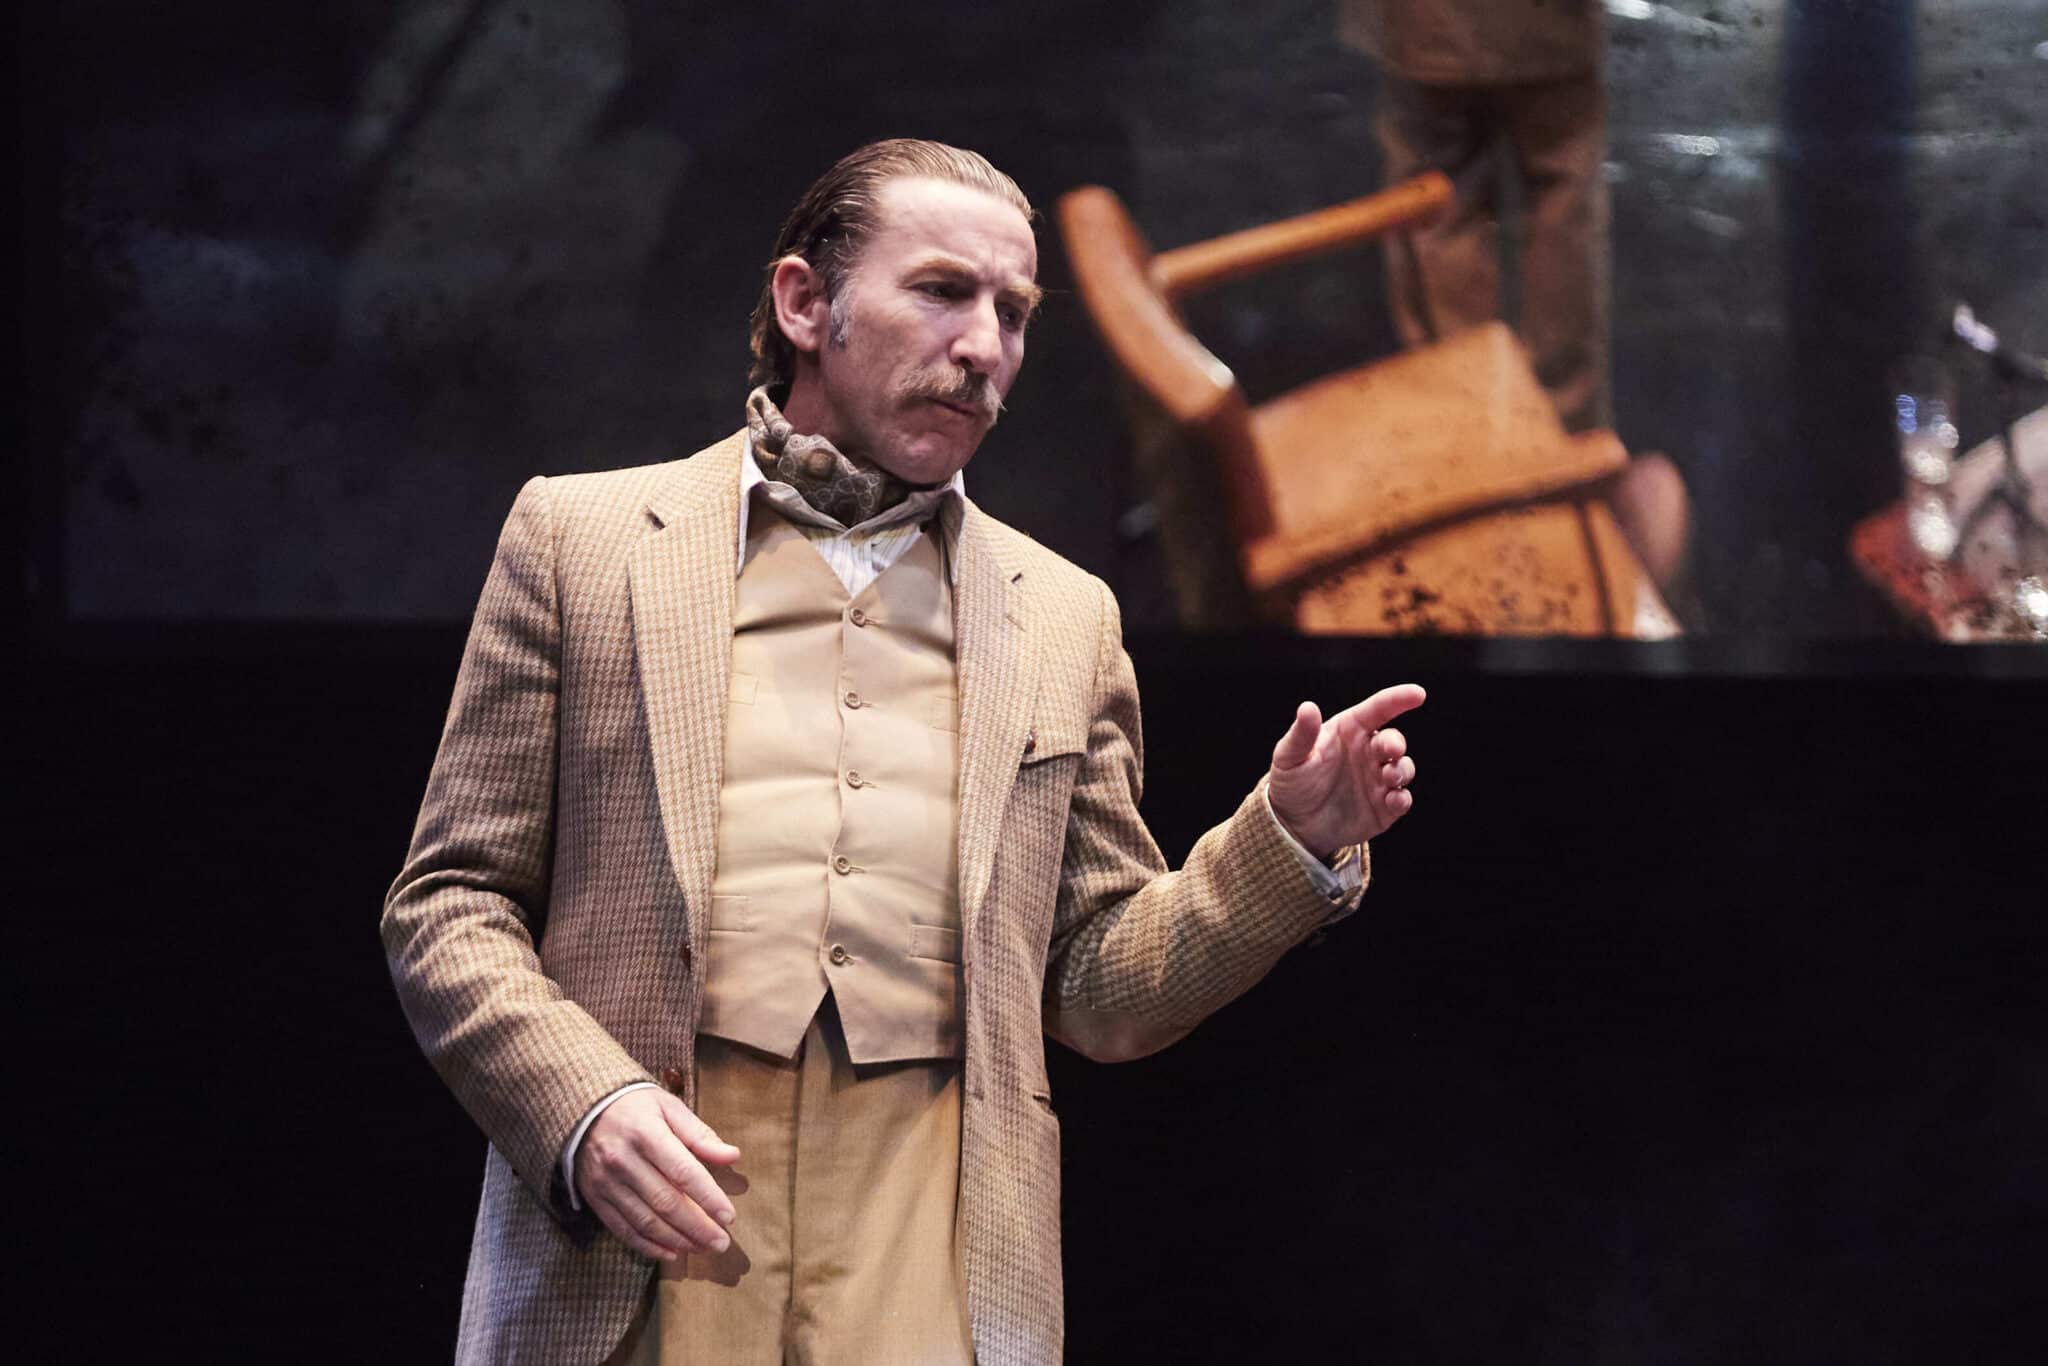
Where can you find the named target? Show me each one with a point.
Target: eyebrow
(1026, 292)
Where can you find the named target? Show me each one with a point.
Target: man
(1486, 91)
(1496, 94)
(786, 776)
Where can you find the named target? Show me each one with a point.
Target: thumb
(1300, 740)
(696, 1135)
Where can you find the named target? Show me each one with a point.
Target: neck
(845, 487)
(807, 411)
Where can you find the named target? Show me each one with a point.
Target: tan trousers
(845, 1242)
(1551, 138)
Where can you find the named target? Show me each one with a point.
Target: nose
(978, 346)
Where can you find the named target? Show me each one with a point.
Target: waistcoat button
(853, 700)
(858, 617)
(853, 778)
(841, 864)
(840, 956)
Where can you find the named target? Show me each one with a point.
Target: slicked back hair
(829, 224)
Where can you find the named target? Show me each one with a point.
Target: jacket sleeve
(461, 922)
(1140, 955)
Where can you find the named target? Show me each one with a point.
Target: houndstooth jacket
(547, 932)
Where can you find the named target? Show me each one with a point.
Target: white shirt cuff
(1333, 884)
(576, 1139)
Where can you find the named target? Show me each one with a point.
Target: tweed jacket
(547, 933)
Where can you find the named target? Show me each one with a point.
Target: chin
(928, 462)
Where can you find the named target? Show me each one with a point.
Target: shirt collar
(947, 502)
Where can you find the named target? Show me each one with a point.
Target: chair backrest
(1189, 420)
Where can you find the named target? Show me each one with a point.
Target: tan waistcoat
(838, 818)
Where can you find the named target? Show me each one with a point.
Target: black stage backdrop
(1689, 1020)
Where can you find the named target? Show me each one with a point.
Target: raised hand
(1334, 783)
(641, 1170)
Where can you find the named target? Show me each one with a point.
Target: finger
(1300, 739)
(696, 1135)
(1389, 745)
(1398, 774)
(677, 1164)
(675, 1186)
(1397, 803)
(627, 1216)
(644, 1176)
(1361, 755)
(1383, 706)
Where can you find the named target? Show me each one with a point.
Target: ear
(801, 308)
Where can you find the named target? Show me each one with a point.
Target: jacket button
(841, 864)
(672, 1078)
(840, 956)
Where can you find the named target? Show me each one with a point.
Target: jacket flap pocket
(1052, 734)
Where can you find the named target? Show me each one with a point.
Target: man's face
(927, 331)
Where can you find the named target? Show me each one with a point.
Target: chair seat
(1559, 568)
(1387, 450)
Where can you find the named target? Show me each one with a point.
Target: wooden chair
(1433, 491)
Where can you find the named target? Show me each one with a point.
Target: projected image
(1624, 320)
(1777, 222)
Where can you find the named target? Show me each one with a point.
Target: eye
(1012, 316)
(941, 289)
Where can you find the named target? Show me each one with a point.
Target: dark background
(1696, 1016)
(1689, 1019)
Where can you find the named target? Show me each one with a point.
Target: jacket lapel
(682, 587)
(998, 678)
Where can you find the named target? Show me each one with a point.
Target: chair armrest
(1109, 259)
(1204, 265)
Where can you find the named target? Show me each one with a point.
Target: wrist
(1306, 843)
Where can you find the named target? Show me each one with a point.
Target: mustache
(962, 387)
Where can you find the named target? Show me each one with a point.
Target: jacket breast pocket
(1047, 765)
(1053, 736)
